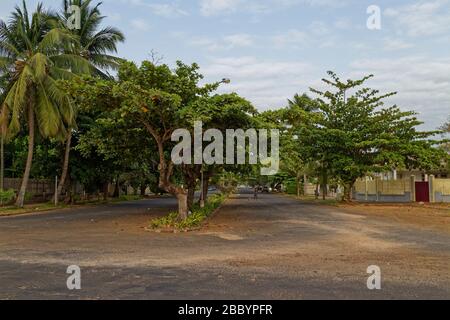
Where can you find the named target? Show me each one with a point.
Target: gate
(422, 192)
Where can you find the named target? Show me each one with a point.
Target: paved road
(272, 248)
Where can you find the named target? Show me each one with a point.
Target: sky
(272, 49)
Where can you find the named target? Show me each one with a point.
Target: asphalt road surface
(271, 248)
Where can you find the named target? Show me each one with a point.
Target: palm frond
(55, 40)
(39, 63)
(72, 62)
(47, 113)
(62, 101)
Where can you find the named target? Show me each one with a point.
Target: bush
(194, 220)
(29, 196)
(7, 196)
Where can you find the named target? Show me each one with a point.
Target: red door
(422, 192)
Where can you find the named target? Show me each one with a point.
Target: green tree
(3, 90)
(446, 130)
(96, 45)
(355, 134)
(446, 143)
(32, 53)
(220, 112)
(303, 102)
(155, 97)
(297, 159)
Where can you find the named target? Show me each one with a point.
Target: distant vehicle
(278, 188)
(266, 189)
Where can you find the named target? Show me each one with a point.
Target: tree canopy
(56, 87)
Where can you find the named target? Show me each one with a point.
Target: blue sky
(272, 49)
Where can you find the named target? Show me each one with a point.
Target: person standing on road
(255, 194)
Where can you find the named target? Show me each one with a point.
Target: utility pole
(56, 191)
(2, 163)
(202, 195)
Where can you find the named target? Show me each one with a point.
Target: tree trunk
(205, 188)
(324, 184)
(191, 197)
(347, 197)
(116, 189)
(62, 181)
(165, 169)
(143, 189)
(298, 186)
(105, 191)
(191, 174)
(183, 205)
(68, 198)
(2, 163)
(305, 184)
(26, 175)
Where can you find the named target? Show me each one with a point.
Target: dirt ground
(273, 248)
(432, 216)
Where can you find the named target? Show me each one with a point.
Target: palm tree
(93, 45)
(3, 89)
(34, 55)
(304, 102)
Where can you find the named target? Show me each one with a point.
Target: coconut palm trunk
(2, 163)
(65, 170)
(34, 50)
(26, 176)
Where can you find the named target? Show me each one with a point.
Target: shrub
(7, 196)
(195, 219)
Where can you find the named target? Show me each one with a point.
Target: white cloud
(392, 44)
(422, 85)
(423, 18)
(213, 7)
(343, 24)
(114, 16)
(266, 83)
(228, 42)
(167, 10)
(140, 24)
(239, 40)
(293, 37)
(220, 7)
(317, 35)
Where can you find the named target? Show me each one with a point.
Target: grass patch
(48, 206)
(195, 219)
(313, 200)
(13, 210)
(124, 198)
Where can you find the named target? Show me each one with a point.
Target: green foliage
(7, 196)
(39, 48)
(350, 134)
(95, 41)
(228, 182)
(195, 219)
(108, 146)
(168, 221)
(122, 126)
(29, 196)
(291, 187)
